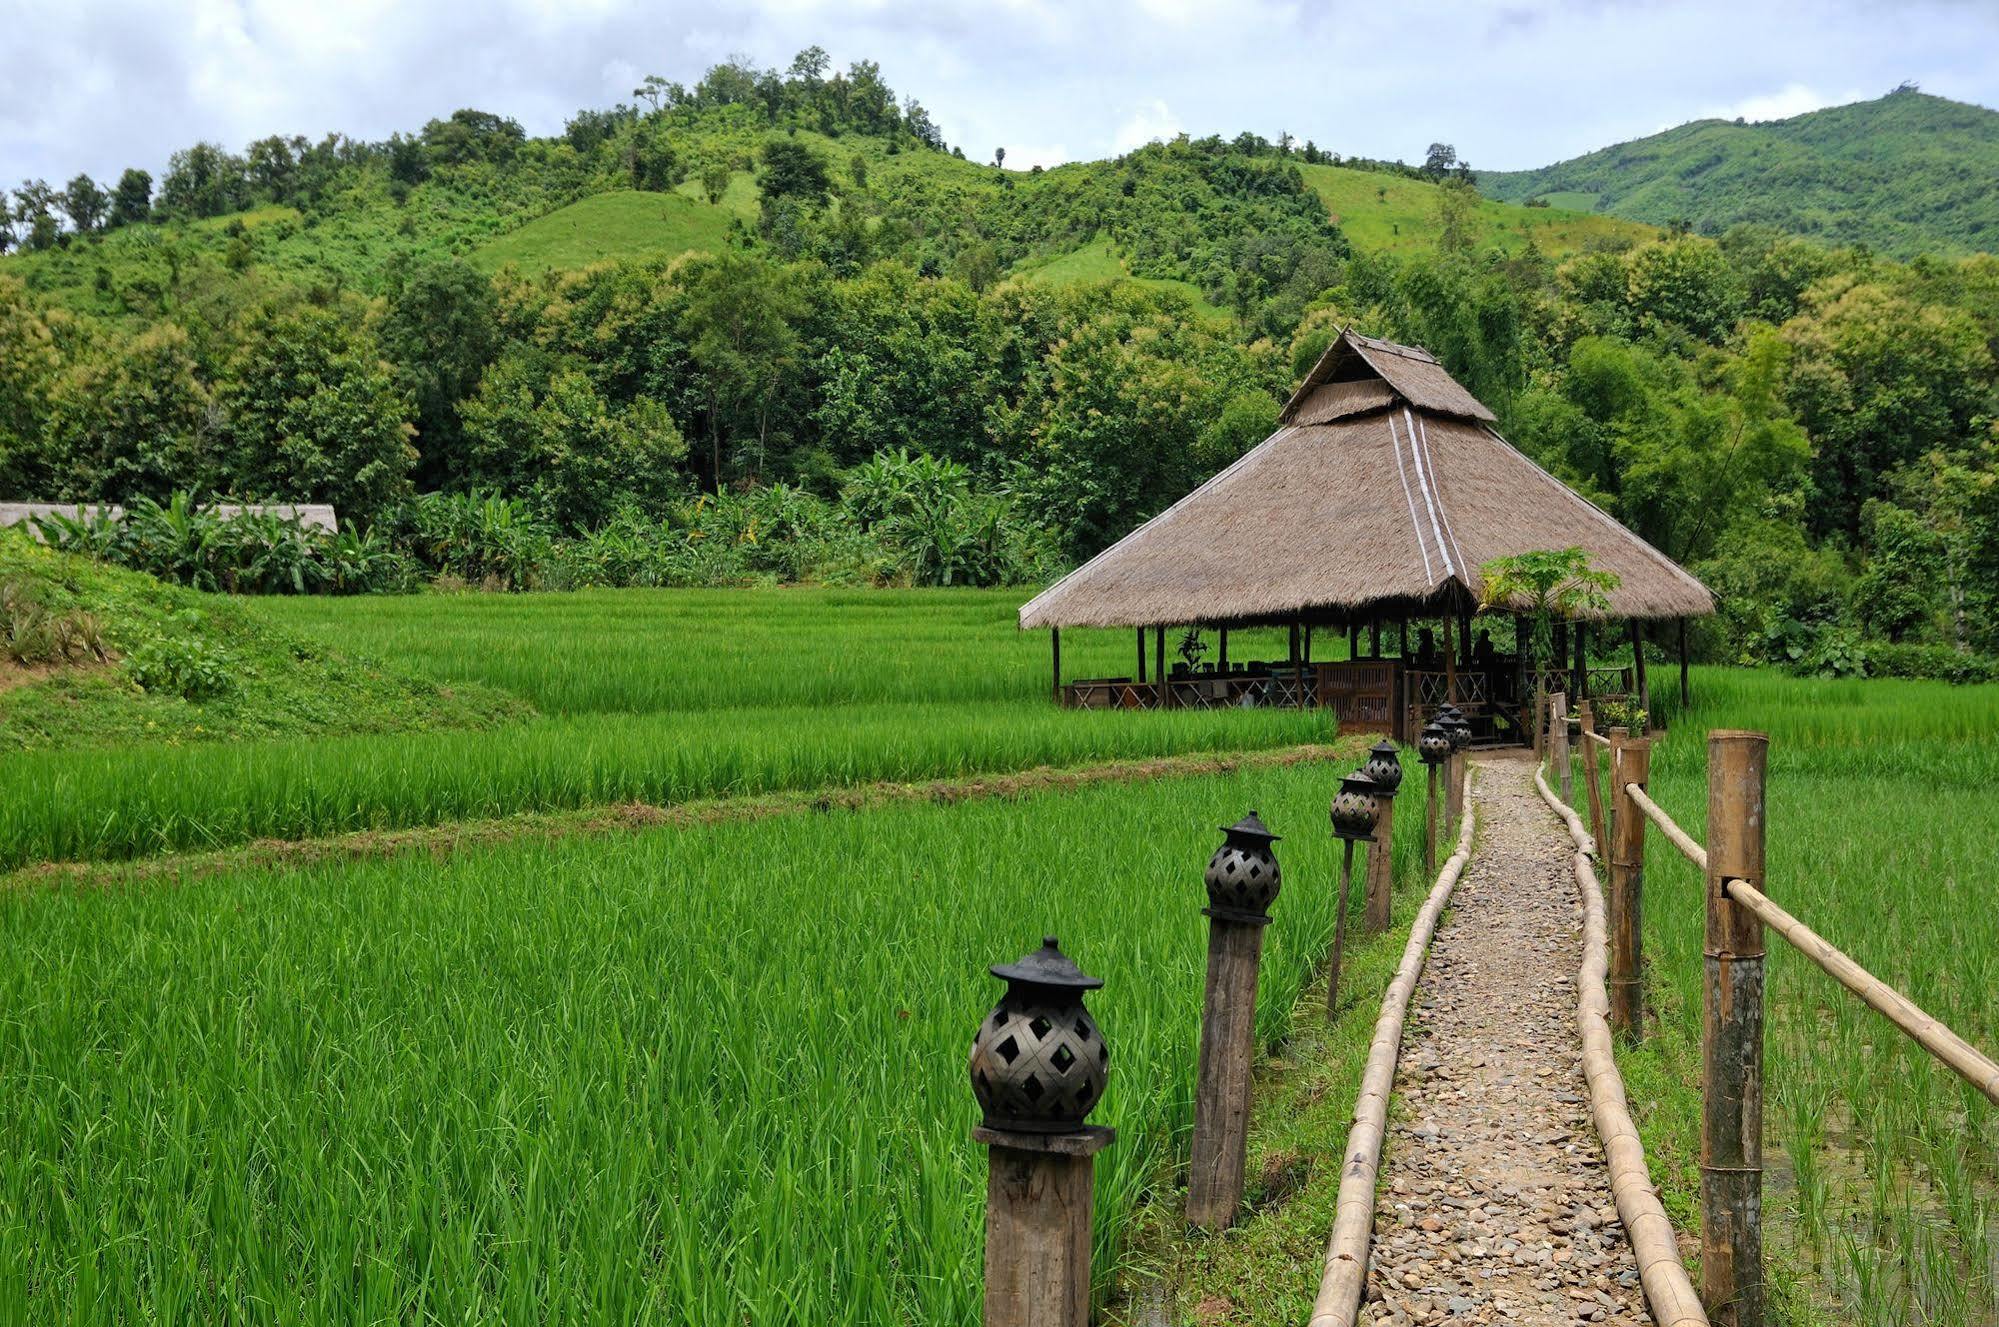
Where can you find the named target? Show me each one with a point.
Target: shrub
(183, 663)
(1938, 662)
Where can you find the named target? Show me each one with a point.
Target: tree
(738, 323)
(810, 65)
(538, 428)
(1545, 584)
(999, 157)
(1896, 594)
(313, 414)
(1437, 162)
(134, 420)
(30, 359)
(714, 181)
(132, 200)
(85, 203)
(652, 91)
(203, 181)
(34, 204)
(441, 329)
(793, 170)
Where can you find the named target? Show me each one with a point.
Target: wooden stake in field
(1732, 1037)
(1384, 766)
(1356, 811)
(1038, 1066)
(1242, 879)
(1630, 765)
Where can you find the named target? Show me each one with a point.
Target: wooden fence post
(1038, 1067)
(1586, 715)
(1630, 763)
(1055, 650)
(1430, 820)
(1732, 1037)
(1558, 743)
(1384, 765)
(1242, 881)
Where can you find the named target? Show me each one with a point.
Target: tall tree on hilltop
(85, 203)
(132, 200)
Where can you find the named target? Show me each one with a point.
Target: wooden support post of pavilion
(1140, 675)
(1055, 649)
(1159, 668)
(1686, 695)
(1638, 676)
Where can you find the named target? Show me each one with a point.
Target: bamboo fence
(1345, 1278)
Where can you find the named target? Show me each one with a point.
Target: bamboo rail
(1340, 1289)
(1598, 738)
(1668, 1289)
(1679, 838)
(1954, 1051)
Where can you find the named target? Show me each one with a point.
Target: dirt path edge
(1345, 1278)
(1668, 1290)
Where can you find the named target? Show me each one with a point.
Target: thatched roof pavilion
(1382, 491)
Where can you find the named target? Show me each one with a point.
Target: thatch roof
(1381, 493)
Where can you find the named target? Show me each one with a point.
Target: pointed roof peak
(1348, 377)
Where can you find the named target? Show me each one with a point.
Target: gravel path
(1494, 1203)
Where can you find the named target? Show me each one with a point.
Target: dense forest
(770, 327)
(1905, 174)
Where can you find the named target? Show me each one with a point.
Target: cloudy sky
(98, 85)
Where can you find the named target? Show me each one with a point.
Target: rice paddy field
(712, 1071)
(706, 1076)
(644, 695)
(1883, 836)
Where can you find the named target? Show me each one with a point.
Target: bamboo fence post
(1732, 1036)
(1586, 716)
(1242, 880)
(1558, 743)
(1630, 764)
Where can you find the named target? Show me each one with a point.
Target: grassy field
(1097, 261)
(1883, 803)
(1389, 212)
(643, 695)
(700, 1076)
(610, 226)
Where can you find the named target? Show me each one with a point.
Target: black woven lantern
(1039, 1063)
(1459, 728)
(1384, 766)
(1243, 877)
(1434, 743)
(1356, 807)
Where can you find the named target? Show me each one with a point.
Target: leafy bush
(1938, 662)
(31, 632)
(183, 663)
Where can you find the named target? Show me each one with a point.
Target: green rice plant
(706, 1076)
(134, 801)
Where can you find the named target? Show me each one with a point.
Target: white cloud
(1793, 99)
(98, 85)
(1150, 120)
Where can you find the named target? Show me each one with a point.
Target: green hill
(1906, 173)
(622, 224)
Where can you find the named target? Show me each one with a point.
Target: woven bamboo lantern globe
(1434, 743)
(1384, 766)
(1242, 876)
(1039, 1063)
(1356, 807)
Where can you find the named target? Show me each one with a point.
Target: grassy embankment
(1882, 823)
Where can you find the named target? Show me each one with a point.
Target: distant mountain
(1906, 173)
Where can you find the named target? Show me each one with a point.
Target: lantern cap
(1358, 778)
(1250, 826)
(1386, 748)
(1047, 966)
